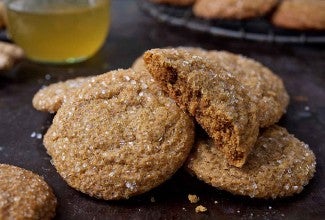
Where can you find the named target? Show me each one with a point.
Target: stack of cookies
(125, 132)
(292, 14)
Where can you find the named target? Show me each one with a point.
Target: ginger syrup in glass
(59, 31)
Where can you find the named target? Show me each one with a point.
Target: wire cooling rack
(259, 29)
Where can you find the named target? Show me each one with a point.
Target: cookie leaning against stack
(210, 94)
(119, 136)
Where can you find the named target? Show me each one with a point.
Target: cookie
(175, 2)
(24, 195)
(212, 95)
(50, 98)
(264, 87)
(10, 54)
(300, 14)
(279, 166)
(232, 9)
(120, 137)
(139, 65)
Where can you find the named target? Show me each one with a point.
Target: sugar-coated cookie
(280, 165)
(119, 137)
(212, 95)
(24, 195)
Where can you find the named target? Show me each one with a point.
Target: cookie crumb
(193, 198)
(152, 199)
(200, 208)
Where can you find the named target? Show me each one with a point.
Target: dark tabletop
(302, 68)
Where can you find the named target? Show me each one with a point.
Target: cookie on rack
(50, 98)
(120, 137)
(280, 165)
(175, 2)
(300, 14)
(24, 195)
(232, 9)
(219, 103)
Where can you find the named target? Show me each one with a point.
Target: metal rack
(259, 29)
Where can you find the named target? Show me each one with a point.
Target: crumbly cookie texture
(279, 166)
(264, 87)
(24, 195)
(200, 208)
(175, 2)
(50, 98)
(119, 137)
(232, 9)
(300, 14)
(193, 198)
(218, 102)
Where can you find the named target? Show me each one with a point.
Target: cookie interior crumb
(193, 198)
(200, 208)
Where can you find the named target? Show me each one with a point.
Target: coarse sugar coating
(218, 102)
(232, 9)
(300, 14)
(24, 195)
(121, 136)
(264, 87)
(50, 98)
(175, 2)
(280, 165)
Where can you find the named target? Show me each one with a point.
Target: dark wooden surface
(301, 67)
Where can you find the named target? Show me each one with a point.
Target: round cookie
(210, 94)
(300, 14)
(279, 166)
(232, 9)
(121, 136)
(24, 195)
(175, 2)
(50, 98)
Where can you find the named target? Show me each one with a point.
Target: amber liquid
(60, 33)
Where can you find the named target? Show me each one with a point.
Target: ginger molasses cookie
(175, 2)
(121, 136)
(264, 87)
(300, 14)
(24, 195)
(212, 95)
(280, 165)
(232, 9)
(50, 98)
